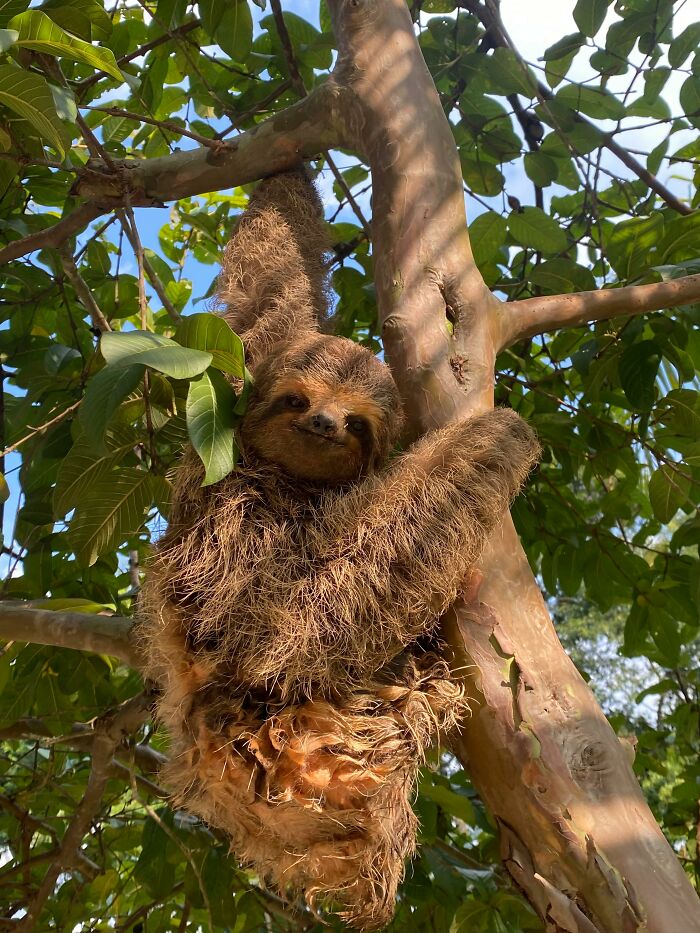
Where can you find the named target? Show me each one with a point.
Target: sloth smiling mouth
(319, 437)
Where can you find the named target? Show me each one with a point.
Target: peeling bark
(577, 835)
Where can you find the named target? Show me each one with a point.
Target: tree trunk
(577, 835)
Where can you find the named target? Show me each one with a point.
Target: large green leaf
(683, 45)
(81, 471)
(38, 32)
(487, 234)
(690, 99)
(595, 102)
(147, 349)
(532, 228)
(668, 491)
(10, 8)
(210, 420)
(638, 367)
(117, 508)
(211, 333)
(28, 95)
(589, 15)
(104, 393)
(85, 18)
(230, 23)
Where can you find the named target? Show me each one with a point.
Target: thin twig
(129, 226)
(82, 290)
(166, 125)
(42, 427)
(109, 733)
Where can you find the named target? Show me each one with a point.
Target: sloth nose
(322, 423)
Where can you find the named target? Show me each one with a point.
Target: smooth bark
(532, 316)
(82, 631)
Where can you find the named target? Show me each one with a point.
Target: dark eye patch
(357, 426)
(295, 402)
(290, 401)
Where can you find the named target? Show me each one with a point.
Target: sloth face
(324, 410)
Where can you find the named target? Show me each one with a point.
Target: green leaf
(85, 18)
(690, 99)
(668, 491)
(559, 276)
(589, 15)
(103, 395)
(595, 102)
(140, 346)
(4, 489)
(64, 102)
(680, 412)
(116, 510)
(508, 74)
(29, 96)
(80, 472)
(210, 420)
(10, 8)
(531, 227)
(684, 45)
(564, 47)
(487, 233)
(482, 177)
(38, 32)
(540, 168)
(211, 333)
(637, 369)
(230, 23)
(449, 800)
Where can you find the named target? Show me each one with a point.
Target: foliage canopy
(109, 364)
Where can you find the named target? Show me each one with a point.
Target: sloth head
(323, 409)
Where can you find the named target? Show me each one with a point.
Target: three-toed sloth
(287, 609)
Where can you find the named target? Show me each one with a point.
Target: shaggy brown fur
(283, 607)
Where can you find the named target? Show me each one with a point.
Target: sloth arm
(273, 279)
(391, 554)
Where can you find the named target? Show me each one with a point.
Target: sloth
(289, 615)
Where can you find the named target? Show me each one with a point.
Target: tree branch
(100, 634)
(109, 733)
(531, 316)
(51, 236)
(81, 289)
(297, 133)
(489, 14)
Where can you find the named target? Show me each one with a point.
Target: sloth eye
(295, 402)
(357, 426)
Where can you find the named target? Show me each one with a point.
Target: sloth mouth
(318, 437)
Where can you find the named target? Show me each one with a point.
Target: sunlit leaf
(211, 333)
(38, 32)
(210, 421)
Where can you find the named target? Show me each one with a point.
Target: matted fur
(273, 281)
(315, 796)
(309, 590)
(283, 610)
